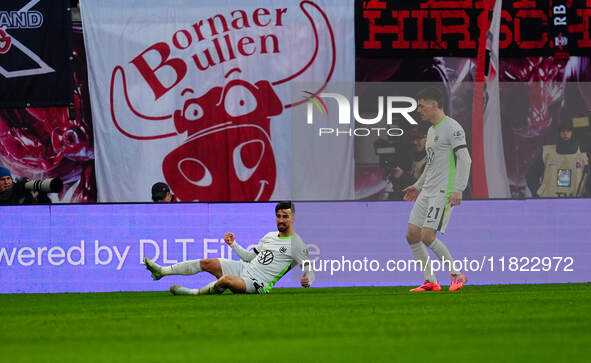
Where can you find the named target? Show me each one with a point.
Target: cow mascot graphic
(227, 155)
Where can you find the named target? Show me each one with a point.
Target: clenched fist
(229, 238)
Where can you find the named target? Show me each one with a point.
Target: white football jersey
(275, 256)
(442, 142)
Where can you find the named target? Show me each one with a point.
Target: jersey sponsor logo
(430, 155)
(265, 257)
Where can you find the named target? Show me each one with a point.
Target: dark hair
(159, 191)
(432, 94)
(285, 205)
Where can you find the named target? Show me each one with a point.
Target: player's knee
(224, 281)
(207, 264)
(413, 237)
(427, 235)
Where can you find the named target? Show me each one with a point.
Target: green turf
(518, 323)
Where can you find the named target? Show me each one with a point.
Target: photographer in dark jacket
(24, 191)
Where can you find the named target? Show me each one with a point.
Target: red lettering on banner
(177, 43)
(374, 29)
(447, 4)
(242, 43)
(198, 63)
(278, 14)
(420, 43)
(264, 43)
(374, 4)
(505, 33)
(583, 28)
(439, 15)
(260, 12)
(524, 4)
(197, 27)
(221, 49)
(218, 50)
(149, 74)
(243, 17)
(400, 42)
(213, 29)
(531, 14)
(521, 21)
(229, 46)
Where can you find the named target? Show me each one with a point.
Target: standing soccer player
(438, 189)
(259, 270)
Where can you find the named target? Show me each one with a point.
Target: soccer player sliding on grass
(438, 189)
(259, 270)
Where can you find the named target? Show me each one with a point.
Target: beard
(281, 227)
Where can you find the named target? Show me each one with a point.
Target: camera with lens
(50, 185)
(25, 191)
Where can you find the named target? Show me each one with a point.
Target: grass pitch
(500, 323)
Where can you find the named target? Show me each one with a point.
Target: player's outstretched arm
(301, 257)
(244, 255)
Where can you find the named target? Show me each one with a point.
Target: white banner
(198, 94)
(494, 155)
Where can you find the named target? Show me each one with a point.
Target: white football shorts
(431, 211)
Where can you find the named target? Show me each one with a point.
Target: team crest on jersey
(266, 257)
(283, 249)
(458, 133)
(436, 138)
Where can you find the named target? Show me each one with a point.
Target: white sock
(209, 289)
(443, 253)
(421, 255)
(183, 268)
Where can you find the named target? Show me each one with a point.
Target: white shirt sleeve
(457, 137)
(299, 253)
(463, 160)
(244, 254)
